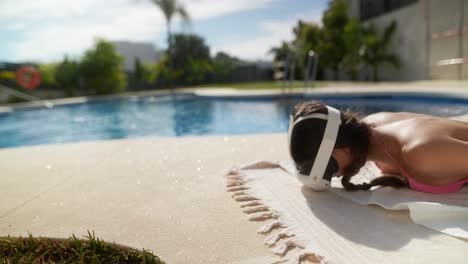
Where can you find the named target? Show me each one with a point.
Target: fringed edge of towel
(284, 239)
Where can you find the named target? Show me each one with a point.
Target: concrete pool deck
(163, 194)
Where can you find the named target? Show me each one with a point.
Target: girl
(422, 152)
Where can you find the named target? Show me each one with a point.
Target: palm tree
(283, 57)
(353, 41)
(170, 8)
(306, 38)
(280, 53)
(375, 49)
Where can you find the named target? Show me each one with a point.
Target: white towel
(446, 213)
(331, 228)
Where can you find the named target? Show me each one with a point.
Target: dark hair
(352, 134)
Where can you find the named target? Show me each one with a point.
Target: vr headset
(325, 166)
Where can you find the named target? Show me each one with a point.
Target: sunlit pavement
(162, 194)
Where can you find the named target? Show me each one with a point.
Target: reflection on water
(181, 116)
(192, 117)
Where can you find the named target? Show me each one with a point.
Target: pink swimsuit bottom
(436, 189)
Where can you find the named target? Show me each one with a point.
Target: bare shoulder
(383, 118)
(377, 118)
(440, 160)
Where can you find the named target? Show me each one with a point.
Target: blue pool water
(187, 115)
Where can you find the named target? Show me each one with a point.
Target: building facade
(131, 51)
(431, 38)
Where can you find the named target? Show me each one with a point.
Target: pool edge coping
(232, 93)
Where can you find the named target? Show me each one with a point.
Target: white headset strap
(319, 116)
(293, 123)
(327, 144)
(290, 129)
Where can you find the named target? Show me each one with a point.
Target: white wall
(419, 60)
(408, 43)
(445, 15)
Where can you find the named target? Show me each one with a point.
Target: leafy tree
(162, 73)
(143, 73)
(332, 47)
(353, 40)
(139, 73)
(223, 64)
(190, 58)
(149, 72)
(375, 50)
(307, 38)
(342, 43)
(67, 75)
(47, 72)
(281, 52)
(197, 71)
(188, 46)
(102, 69)
(281, 55)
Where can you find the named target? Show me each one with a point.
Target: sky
(47, 30)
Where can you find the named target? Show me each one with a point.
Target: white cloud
(275, 31)
(49, 29)
(25, 9)
(202, 9)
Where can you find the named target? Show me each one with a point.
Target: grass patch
(260, 85)
(71, 250)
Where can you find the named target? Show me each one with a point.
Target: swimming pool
(190, 115)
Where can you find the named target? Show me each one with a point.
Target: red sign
(28, 77)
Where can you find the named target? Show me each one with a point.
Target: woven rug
(334, 227)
